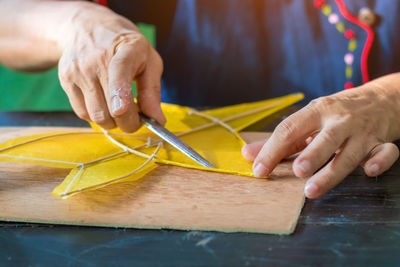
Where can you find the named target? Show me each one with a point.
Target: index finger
(285, 139)
(123, 67)
(149, 88)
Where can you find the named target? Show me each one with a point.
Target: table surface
(357, 223)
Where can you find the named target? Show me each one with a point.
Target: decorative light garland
(334, 19)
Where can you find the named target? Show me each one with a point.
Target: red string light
(368, 43)
(102, 2)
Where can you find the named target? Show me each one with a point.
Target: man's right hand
(102, 53)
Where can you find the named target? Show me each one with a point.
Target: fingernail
(244, 150)
(305, 166)
(163, 119)
(309, 140)
(310, 190)
(245, 153)
(374, 168)
(260, 170)
(119, 98)
(116, 104)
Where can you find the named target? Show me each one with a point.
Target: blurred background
(226, 52)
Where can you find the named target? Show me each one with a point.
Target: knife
(173, 140)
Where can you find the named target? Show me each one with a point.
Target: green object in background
(31, 92)
(42, 91)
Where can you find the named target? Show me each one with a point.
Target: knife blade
(173, 140)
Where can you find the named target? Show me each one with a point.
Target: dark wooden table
(357, 223)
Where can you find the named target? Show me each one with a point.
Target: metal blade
(173, 140)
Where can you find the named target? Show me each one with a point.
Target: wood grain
(169, 197)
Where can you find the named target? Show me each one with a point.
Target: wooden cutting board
(169, 197)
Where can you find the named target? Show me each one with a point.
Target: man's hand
(357, 126)
(99, 54)
(102, 54)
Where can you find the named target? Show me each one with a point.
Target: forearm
(32, 32)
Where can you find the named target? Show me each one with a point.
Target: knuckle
(133, 46)
(92, 61)
(285, 130)
(314, 103)
(322, 102)
(66, 76)
(91, 92)
(140, 40)
(330, 136)
(140, 47)
(68, 88)
(351, 160)
(86, 67)
(320, 105)
(99, 117)
(135, 40)
(368, 128)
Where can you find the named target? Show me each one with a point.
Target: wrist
(386, 92)
(89, 20)
(67, 23)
